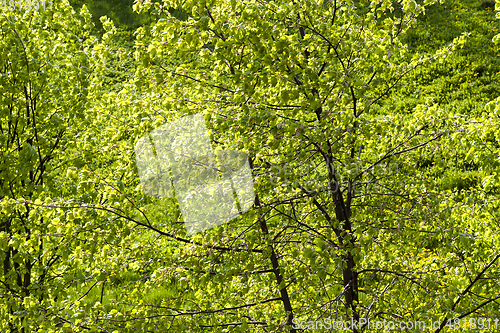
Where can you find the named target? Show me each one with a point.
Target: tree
(497, 8)
(353, 218)
(44, 82)
(341, 214)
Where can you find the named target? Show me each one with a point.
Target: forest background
(372, 129)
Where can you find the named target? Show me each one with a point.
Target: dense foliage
(372, 132)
